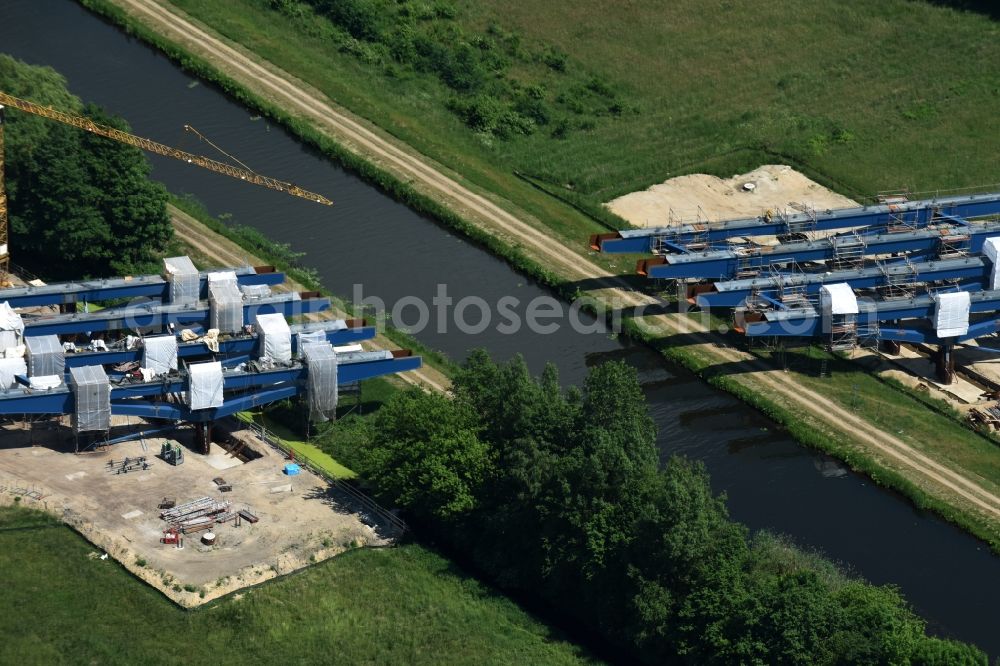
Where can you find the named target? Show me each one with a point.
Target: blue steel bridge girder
(227, 348)
(158, 316)
(143, 286)
(969, 271)
(724, 264)
(129, 398)
(916, 213)
(808, 322)
(917, 332)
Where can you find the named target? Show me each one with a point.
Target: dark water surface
(368, 239)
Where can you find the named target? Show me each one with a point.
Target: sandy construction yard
(708, 198)
(302, 520)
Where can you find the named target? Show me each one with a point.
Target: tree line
(560, 496)
(79, 205)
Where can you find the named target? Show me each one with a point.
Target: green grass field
(865, 96)
(401, 605)
(898, 411)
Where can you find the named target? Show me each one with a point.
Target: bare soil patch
(302, 519)
(700, 196)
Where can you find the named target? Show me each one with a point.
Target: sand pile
(775, 186)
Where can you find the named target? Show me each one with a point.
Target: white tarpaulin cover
(951, 314)
(9, 368)
(348, 349)
(991, 250)
(275, 336)
(45, 382)
(310, 338)
(10, 320)
(185, 282)
(159, 353)
(92, 394)
(225, 305)
(222, 276)
(8, 340)
(838, 298)
(46, 356)
(206, 385)
(321, 360)
(255, 290)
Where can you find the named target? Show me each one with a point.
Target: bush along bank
(422, 203)
(560, 496)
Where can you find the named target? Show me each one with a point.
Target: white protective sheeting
(222, 276)
(10, 368)
(184, 279)
(10, 320)
(255, 290)
(310, 338)
(275, 337)
(321, 361)
(838, 299)
(43, 383)
(225, 305)
(92, 394)
(951, 314)
(206, 386)
(46, 356)
(8, 340)
(159, 353)
(991, 250)
(348, 349)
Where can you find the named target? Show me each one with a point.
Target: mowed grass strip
(61, 604)
(893, 409)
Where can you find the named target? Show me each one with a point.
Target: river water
(368, 239)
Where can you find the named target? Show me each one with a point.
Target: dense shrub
(424, 38)
(560, 495)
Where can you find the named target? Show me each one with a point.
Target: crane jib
(160, 149)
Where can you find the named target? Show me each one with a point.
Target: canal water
(394, 253)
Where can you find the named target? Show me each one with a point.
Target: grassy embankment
(848, 142)
(390, 606)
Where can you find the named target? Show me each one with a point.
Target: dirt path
(300, 99)
(219, 249)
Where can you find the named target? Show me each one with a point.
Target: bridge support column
(944, 360)
(203, 436)
(889, 347)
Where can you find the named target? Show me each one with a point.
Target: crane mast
(4, 254)
(114, 134)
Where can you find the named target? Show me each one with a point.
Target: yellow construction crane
(132, 140)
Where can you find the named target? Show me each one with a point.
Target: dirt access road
(960, 488)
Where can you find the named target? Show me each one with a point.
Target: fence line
(370, 504)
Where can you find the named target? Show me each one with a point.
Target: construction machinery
(114, 134)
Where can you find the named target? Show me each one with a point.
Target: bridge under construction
(190, 347)
(922, 272)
